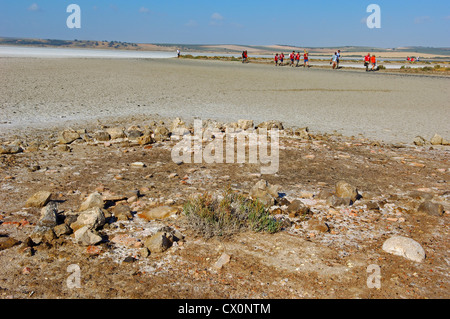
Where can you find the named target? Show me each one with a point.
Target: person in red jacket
(374, 62)
(367, 61)
(305, 59)
(281, 58)
(292, 57)
(276, 59)
(297, 58)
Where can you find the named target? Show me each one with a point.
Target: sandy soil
(392, 108)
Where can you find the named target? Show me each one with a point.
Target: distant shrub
(437, 66)
(427, 68)
(381, 67)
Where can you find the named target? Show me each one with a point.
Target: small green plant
(213, 216)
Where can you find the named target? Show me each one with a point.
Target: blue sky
(253, 22)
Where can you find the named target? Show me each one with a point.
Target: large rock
(49, 216)
(39, 199)
(85, 236)
(436, 140)
(159, 242)
(405, 247)
(346, 190)
(160, 212)
(93, 218)
(115, 133)
(92, 201)
(430, 208)
(68, 136)
(264, 192)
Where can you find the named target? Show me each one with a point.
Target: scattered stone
(317, 225)
(145, 140)
(430, 208)
(436, 140)
(68, 136)
(62, 230)
(144, 252)
(268, 125)
(222, 261)
(302, 133)
(93, 250)
(10, 149)
(134, 133)
(48, 219)
(405, 247)
(161, 134)
(336, 201)
(8, 242)
(122, 212)
(64, 148)
(297, 208)
(39, 200)
(116, 133)
(173, 175)
(129, 259)
(264, 192)
(245, 124)
(102, 136)
(93, 218)
(137, 165)
(160, 212)
(86, 237)
(125, 240)
(94, 200)
(419, 141)
(346, 190)
(158, 243)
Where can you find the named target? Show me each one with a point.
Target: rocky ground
(106, 202)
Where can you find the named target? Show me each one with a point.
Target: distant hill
(426, 52)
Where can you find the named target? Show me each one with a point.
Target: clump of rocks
(435, 140)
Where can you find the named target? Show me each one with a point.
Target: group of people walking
(294, 59)
(370, 61)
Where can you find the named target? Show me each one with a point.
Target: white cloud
(34, 7)
(447, 18)
(216, 19)
(144, 10)
(217, 16)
